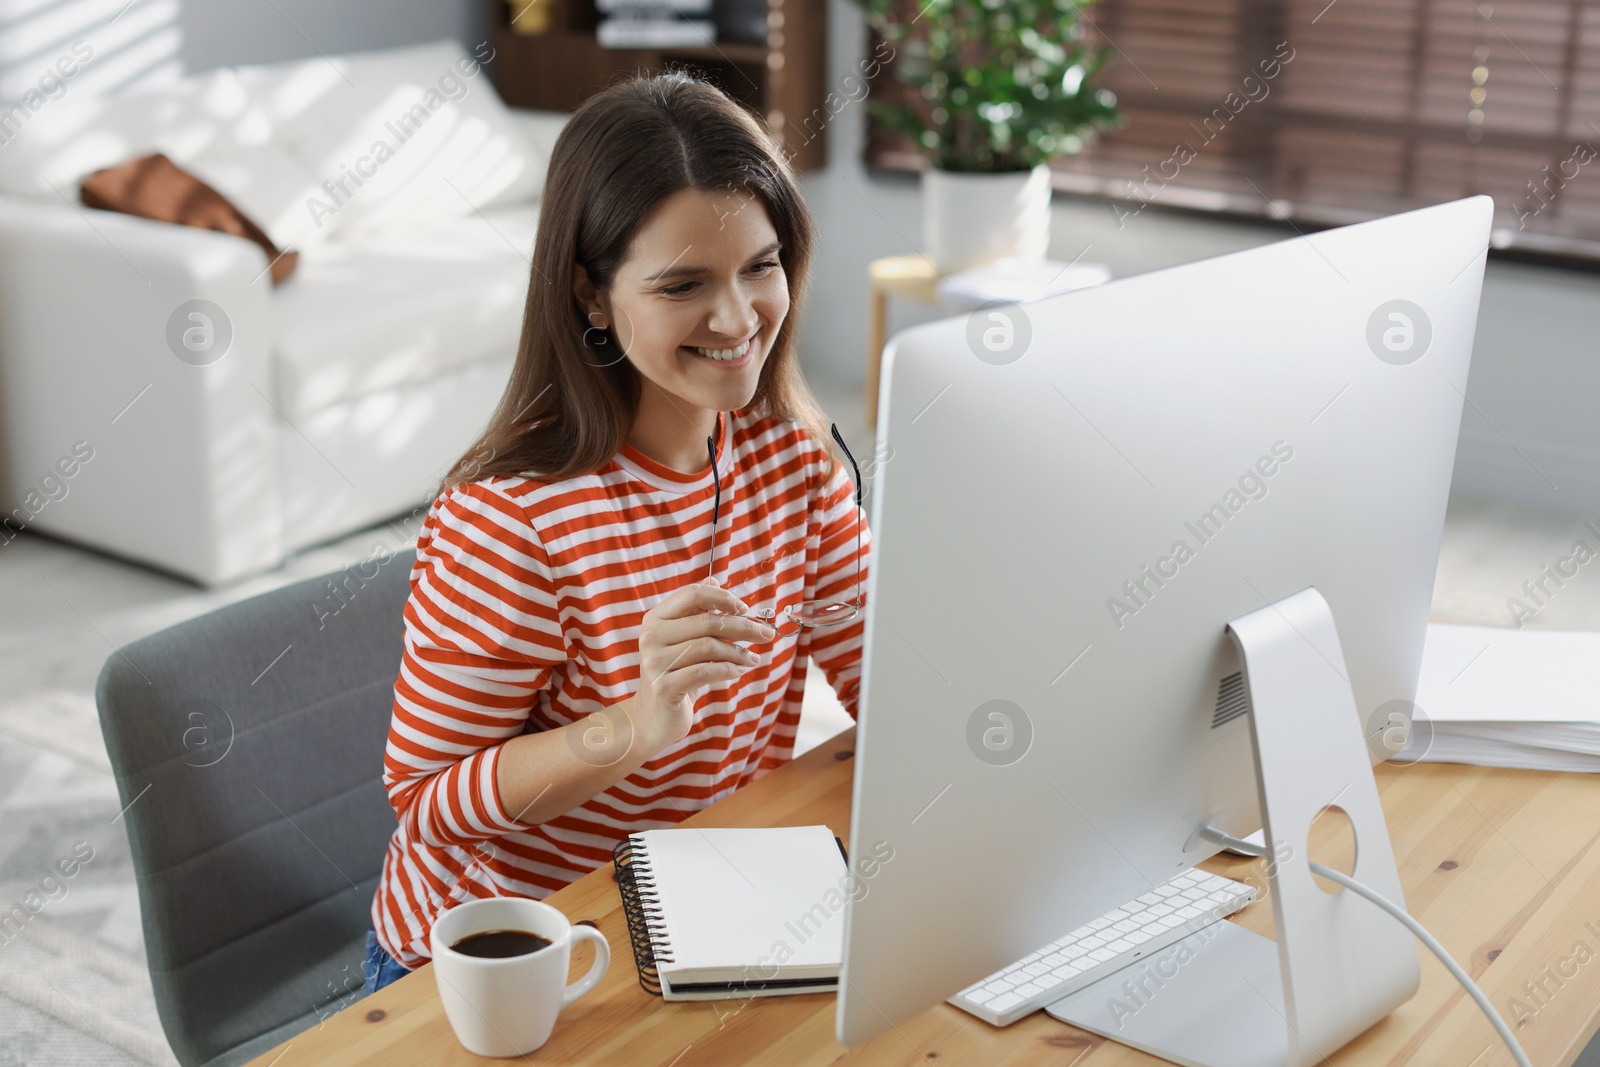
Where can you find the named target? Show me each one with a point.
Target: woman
(586, 654)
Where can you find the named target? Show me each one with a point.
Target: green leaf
(1000, 85)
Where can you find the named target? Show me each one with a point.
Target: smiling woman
(570, 675)
(667, 213)
(699, 344)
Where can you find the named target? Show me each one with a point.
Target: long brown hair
(571, 402)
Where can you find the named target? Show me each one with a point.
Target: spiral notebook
(726, 912)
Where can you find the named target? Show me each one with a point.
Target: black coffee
(498, 944)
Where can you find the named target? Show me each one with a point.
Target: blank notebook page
(730, 896)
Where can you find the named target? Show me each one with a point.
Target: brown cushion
(154, 187)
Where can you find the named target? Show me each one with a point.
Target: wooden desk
(1503, 866)
(913, 277)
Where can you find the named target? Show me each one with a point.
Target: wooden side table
(913, 277)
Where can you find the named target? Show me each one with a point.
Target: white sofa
(344, 393)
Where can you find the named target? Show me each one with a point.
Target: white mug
(508, 1006)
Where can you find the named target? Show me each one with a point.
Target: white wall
(142, 41)
(221, 33)
(1530, 434)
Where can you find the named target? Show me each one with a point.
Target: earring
(603, 339)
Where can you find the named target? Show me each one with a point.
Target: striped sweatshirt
(524, 614)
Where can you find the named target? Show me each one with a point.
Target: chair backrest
(248, 750)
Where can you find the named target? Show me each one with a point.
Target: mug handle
(597, 969)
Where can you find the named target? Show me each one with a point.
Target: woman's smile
(728, 358)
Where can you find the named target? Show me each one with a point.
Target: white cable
(1406, 920)
(1438, 950)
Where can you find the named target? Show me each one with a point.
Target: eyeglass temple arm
(853, 465)
(716, 504)
(861, 592)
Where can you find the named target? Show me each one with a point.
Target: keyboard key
(1097, 941)
(1072, 952)
(1001, 1004)
(1149, 899)
(1038, 968)
(1139, 937)
(979, 995)
(1120, 946)
(1027, 990)
(1049, 981)
(1160, 910)
(1103, 955)
(1055, 959)
(1100, 923)
(1125, 926)
(1002, 985)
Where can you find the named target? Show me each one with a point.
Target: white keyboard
(1122, 936)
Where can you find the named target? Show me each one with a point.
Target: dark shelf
(781, 81)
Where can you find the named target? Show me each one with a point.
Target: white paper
(1481, 674)
(741, 904)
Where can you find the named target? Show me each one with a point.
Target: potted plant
(999, 87)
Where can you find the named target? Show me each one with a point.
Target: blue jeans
(381, 968)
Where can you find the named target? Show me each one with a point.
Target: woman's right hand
(684, 646)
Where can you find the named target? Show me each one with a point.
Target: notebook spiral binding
(641, 906)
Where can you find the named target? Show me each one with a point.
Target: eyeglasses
(807, 612)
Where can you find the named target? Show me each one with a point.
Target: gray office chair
(248, 749)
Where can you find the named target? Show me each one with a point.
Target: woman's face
(699, 298)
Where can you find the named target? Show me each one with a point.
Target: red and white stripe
(524, 615)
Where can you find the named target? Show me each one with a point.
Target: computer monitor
(1084, 493)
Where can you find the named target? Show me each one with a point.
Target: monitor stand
(1227, 997)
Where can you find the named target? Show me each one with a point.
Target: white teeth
(724, 354)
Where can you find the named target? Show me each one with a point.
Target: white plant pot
(972, 219)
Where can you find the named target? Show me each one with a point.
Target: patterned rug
(74, 989)
(73, 985)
